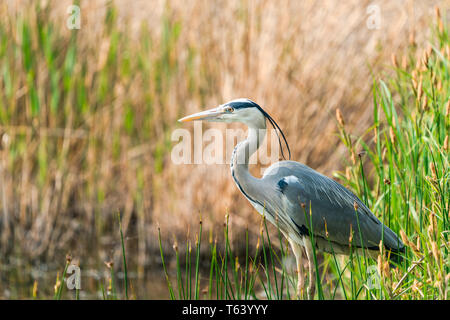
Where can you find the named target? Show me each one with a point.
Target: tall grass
(401, 173)
(400, 168)
(256, 277)
(86, 115)
(406, 151)
(68, 129)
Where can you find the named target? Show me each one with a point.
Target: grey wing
(332, 206)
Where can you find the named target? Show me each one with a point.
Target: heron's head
(240, 110)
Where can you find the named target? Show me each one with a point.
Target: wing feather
(331, 205)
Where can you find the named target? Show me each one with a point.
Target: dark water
(17, 282)
(19, 277)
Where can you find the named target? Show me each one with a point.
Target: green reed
(406, 150)
(399, 167)
(228, 279)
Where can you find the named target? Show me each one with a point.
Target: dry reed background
(99, 140)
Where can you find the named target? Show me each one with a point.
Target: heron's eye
(229, 109)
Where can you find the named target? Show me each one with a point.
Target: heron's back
(332, 207)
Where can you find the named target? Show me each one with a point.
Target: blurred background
(86, 115)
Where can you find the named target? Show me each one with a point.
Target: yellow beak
(204, 115)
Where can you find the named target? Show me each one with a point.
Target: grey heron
(287, 190)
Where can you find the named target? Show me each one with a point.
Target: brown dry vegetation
(105, 146)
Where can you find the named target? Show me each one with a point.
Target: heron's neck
(242, 153)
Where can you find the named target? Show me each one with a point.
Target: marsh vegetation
(85, 132)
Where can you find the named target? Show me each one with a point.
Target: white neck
(242, 153)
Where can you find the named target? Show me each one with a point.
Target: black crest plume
(277, 130)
